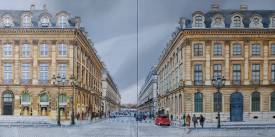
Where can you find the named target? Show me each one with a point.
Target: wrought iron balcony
(43, 81)
(8, 81)
(236, 82)
(198, 82)
(25, 81)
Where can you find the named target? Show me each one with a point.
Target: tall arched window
(25, 97)
(176, 104)
(255, 99)
(180, 103)
(217, 101)
(62, 98)
(198, 102)
(44, 97)
(272, 101)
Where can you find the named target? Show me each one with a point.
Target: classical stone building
(110, 95)
(36, 45)
(236, 44)
(147, 97)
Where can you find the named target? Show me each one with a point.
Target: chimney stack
(215, 7)
(243, 7)
(32, 7)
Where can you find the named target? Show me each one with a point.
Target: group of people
(195, 120)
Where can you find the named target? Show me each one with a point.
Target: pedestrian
(195, 120)
(202, 119)
(188, 120)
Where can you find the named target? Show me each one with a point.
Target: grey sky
(112, 27)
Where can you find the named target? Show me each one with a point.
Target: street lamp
(74, 84)
(218, 82)
(57, 81)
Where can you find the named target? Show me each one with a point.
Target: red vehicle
(162, 120)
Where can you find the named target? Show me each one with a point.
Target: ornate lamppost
(218, 82)
(57, 81)
(74, 84)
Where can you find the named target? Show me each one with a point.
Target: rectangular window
(198, 74)
(43, 72)
(256, 50)
(217, 49)
(62, 49)
(256, 73)
(25, 73)
(273, 72)
(217, 68)
(7, 50)
(7, 73)
(237, 74)
(44, 50)
(25, 50)
(237, 49)
(273, 49)
(198, 49)
(62, 70)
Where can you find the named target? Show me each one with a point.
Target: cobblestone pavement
(128, 127)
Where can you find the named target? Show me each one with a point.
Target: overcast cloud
(112, 27)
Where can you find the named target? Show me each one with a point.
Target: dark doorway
(7, 103)
(236, 107)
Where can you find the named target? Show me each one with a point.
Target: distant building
(147, 97)
(37, 45)
(111, 97)
(236, 44)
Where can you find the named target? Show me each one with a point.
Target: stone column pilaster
(1, 55)
(35, 62)
(246, 62)
(207, 63)
(16, 62)
(266, 66)
(188, 56)
(227, 63)
(53, 70)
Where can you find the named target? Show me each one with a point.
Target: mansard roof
(227, 14)
(36, 15)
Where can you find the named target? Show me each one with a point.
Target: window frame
(255, 101)
(198, 50)
(198, 102)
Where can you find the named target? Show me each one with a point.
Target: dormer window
(256, 22)
(26, 22)
(198, 20)
(218, 22)
(236, 22)
(7, 21)
(45, 21)
(62, 21)
(272, 22)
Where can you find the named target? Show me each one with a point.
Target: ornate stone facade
(110, 95)
(30, 55)
(243, 55)
(147, 97)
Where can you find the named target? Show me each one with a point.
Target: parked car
(139, 117)
(162, 120)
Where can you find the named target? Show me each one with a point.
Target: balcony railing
(25, 81)
(255, 82)
(272, 81)
(198, 82)
(8, 81)
(236, 82)
(43, 81)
